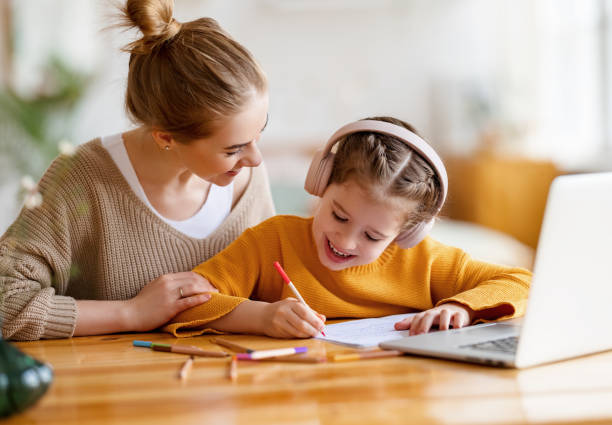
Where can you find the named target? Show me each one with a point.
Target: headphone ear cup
(319, 173)
(414, 235)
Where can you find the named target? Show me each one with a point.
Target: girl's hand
(444, 315)
(163, 298)
(289, 318)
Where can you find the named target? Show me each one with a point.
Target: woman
(124, 218)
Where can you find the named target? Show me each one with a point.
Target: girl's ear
(163, 139)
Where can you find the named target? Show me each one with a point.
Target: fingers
(444, 320)
(304, 320)
(294, 319)
(203, 284)
(182, 278)
(188, 302)
(424, 322)
(444, 316)
(185, 284)
(459, 320)
(188, 289)
(404, 324)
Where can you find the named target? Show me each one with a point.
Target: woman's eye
(233, 153)
(337, 217)
(370, 238)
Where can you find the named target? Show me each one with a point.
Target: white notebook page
(363, 333)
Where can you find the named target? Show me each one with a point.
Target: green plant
(32, 125)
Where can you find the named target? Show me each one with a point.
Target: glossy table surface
(104, 380)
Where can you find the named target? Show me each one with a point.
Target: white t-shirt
(216, 208)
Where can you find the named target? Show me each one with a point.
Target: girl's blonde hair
(184, 77)
(387, 167)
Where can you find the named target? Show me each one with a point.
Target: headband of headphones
(411, 140)
(321, 168)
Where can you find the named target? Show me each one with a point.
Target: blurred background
(510, 92)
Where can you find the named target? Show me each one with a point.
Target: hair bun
(155, 21)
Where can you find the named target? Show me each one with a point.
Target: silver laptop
(569, 301)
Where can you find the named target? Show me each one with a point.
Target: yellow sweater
(399, 281)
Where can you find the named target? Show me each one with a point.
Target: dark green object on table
(23, 379)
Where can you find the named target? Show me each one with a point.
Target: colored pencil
(186, 368)
(298, 358)
(231, 345)
(291, 286)
(265, 354)
(180, 349)
(366, 355)
(232, 373)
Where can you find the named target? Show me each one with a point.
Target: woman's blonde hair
(183, 77)
(387, 167)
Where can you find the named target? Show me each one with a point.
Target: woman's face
(219, 158)
(351, 229)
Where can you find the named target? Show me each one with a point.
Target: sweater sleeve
(235, 273)
(480, 286)
(35, 263)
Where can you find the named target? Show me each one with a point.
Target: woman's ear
(163, 139)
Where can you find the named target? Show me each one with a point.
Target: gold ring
(181, 292)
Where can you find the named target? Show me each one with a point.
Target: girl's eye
(337, 217)
(370, 238)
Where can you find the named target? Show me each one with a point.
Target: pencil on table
(265, 354)
(231, 345)
(298, 358)
(181, 349)
(233, 369)
(186, 368)
(188, 349)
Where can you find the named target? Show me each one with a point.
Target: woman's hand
(444, 315)
(163, 298)
(289, 318)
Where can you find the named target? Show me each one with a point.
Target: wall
(450, 67)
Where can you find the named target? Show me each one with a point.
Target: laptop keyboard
(506, 345)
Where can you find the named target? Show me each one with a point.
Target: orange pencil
(186, 368)
(233, 369)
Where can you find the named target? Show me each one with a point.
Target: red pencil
(280, 270)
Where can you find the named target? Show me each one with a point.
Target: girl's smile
(352, 228)
(335, 254)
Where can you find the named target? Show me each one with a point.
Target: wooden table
(105, 380)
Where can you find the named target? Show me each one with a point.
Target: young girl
(365, 252)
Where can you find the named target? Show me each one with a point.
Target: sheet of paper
(364, 333)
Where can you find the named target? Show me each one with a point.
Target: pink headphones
(322, 164)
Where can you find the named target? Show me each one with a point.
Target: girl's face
(351, 229)
(219, 158)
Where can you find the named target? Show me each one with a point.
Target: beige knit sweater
(92, 238)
